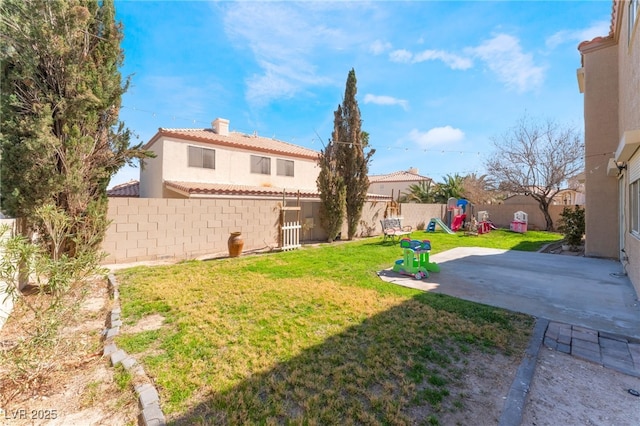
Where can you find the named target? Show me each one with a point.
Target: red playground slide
(457, 222)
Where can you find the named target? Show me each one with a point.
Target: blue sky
(437, 81)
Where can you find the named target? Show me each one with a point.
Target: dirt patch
(80, 388)
(148, 323)
(569, 391)
(483, 389)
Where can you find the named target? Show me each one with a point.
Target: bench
(392, 228)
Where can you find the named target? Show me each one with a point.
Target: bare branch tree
(536, 158)
(480, 189)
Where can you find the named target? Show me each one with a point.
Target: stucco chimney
(413, 170)
(221, 126)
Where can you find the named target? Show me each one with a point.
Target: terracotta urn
(235, 244)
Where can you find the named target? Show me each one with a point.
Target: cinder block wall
(502, 214)
(164, 228)
(420, 214)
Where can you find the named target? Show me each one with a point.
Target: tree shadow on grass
(405, 365)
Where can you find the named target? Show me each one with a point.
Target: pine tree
(352, 161)
(61, 139)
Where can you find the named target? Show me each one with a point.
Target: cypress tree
(352, 160)
(332, 192)
(61, 139)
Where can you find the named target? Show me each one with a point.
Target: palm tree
(453, 186)
(422, 192)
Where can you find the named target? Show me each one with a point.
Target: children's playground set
(459, 212)
(415, 259)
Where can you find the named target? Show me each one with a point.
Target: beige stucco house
(205, 163)
(395, 184)
(610, 80)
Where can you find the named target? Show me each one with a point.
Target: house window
(202, 157)
(261, 165)
(634, 207)
(284, 167)
(634, 9)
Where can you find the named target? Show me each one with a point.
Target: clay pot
(235, 244)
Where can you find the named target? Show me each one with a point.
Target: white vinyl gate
(290, 235)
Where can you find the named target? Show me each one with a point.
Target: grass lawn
(312, 336)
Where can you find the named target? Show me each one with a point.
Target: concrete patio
(588, 292)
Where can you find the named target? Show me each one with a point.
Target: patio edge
(517, 396)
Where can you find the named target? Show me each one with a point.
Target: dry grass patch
(69, 381)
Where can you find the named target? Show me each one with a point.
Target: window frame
(201, 161)
(255, 163)
(634, 208)
(282, 167)
(634, 13)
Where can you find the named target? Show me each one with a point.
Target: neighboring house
(127, 189)
(610, 80)
(197, 163)
(520, 199)
(568, 197)
(564, 197)
(395, 184)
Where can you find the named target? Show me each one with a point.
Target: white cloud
(378, 47)
(283, 40)
(385, 100)
(452, 60)
(400, 55)
(436, 136)
(597, 29)
(504, 56)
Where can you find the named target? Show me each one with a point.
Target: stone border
(517, 396)
(148, 398)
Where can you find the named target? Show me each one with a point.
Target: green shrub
(572, 225)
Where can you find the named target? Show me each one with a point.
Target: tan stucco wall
(632, 263)
(629, 119)
(628, 60)
(151, 173)
(601, 139)
(233, 166)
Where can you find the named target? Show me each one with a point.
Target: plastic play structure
(458, 222)
(457, 212)
(415, 260)
(482, 225)
(437, 221)
(519, 223)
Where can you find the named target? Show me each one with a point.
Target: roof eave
(218, 142)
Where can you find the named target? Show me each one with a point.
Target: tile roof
(128, 189)
(615, 13)
(237, 140)
(195, 188)
(401, 176)
(199, 188)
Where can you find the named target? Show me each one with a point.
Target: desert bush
(50, 299)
